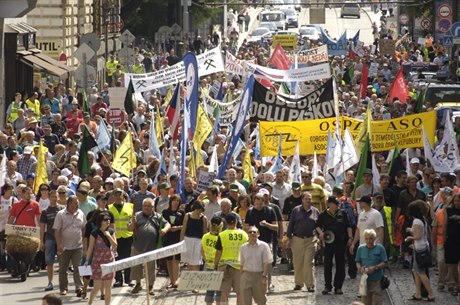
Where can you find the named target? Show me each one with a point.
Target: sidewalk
(401, 288)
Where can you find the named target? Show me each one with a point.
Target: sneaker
(49, 287)
(79, 292)
(326, 291)
(338, 291)
(271, 288)
(64, 292)
(297, 287)
(137, 288)
(118, 284)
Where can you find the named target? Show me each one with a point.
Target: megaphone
(329, 237)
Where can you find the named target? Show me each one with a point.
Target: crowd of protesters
(114, 215)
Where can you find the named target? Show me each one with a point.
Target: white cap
(414, 161)
(27, 150)
(66, 172)
(264, 192)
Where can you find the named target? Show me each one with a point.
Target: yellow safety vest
(208, 243)
(122, 219)
(35, 105)
(387, 211)
(14, 111)
(232, 240)
(138, 69)
(111, 67)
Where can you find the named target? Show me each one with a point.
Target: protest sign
(268, 106)
(200, 280)
(204, 180)
(405, 131)
(306, 74)
(234, 65)
(287, 41)
(117, 97)
(313, 56)
(227, 111)
(22, 230)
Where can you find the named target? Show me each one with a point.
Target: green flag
(349, 74)
(365, 162)
(87, 143)
(419, 104)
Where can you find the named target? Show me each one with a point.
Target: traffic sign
(448, 41)
(126, 56)
(176, 29)
(425, 23)
(90, 76)
(455, 29)
(127, 37)
(404, 19)
(120, 25)
(444, 11)
(84, 53)
(115, 116)
(92, 41)
(444, 25)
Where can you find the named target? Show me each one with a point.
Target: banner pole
(147, 284)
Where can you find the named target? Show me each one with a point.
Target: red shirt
(72, 127)
(27, 216)
(96, 107)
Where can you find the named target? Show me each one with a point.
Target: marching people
(255, 260)
(371, 259)
(148, 227)
(334, 222)
(303, 241)
(102, 245)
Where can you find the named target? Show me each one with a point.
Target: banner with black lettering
(268, 106)
(227, 111)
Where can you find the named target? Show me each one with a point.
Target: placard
(117, 97)
(22, 230)
(387, 47)
(204, 180)
(85, 270)
(200, 280)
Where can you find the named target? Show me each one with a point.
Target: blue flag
(246, 99)
(278, 164)
(355, 38)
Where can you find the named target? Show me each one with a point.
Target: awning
(39, 64)
(54, 62)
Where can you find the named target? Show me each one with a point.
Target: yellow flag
(169, 95)
(247, 166)
(41, 173)
(125, 159)
(159, 127)
(192, 165)
(365, 129)
(203, 129)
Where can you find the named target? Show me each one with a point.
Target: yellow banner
(287, 41)
(406, 131)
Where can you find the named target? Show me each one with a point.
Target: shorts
(50, 251)
(231, 279)
(192, 255)
(172, 257)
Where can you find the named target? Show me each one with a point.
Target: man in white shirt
(369, 218)
(281, 189)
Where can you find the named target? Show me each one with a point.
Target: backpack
(349, 210)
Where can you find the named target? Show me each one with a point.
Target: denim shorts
(50, 251)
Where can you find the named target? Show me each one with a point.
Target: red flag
(266, 83)
(399, 89)
(279, 58)
(364, 77)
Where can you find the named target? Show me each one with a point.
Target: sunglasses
(106, 219)
(62, 193)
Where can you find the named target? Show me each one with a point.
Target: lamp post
(186, 22)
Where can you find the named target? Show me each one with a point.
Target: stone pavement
(401, 288)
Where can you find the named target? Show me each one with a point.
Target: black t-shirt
(290, 203)
(337, 223)
(175, 219)
(390, 198)
(47, 217)
(254, 217)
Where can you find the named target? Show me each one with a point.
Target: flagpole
(100, 151)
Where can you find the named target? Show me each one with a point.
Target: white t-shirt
(369, 220)
(5, 206)
(422, 243)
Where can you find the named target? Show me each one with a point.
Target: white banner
(315, 56)
(227, 111)
(22, 230)
(143, 258)
(321, 71)
(208, 62)
(234, 65)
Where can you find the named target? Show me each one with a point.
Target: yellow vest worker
(229, 243)
(122, 217)
(208, 242)
(13, 111)
(34, 103)
(111, 65)
(138, 68)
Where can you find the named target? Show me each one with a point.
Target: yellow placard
(287, 41)
(406, 131)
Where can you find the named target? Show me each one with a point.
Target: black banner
(268, 106)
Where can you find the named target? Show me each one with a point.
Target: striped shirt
(318, 197)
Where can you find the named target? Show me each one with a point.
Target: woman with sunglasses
(43, 196)
(102, 244)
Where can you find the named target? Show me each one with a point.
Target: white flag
(153, 141)
(447, 150)
(349, 154)
(214, 163)
(314, 170)
(3, 170)
(295, 165)
(435, 160)
(407, 162)
(172, 170)
(375, 172)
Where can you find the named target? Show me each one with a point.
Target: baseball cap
(30, 176)
(367, 171)
(216, 220)
(365, 199)
(332, 199)
(27, 150)
(415, 161)
(378, 194)
(66, 172)
(295, 185)
(118, 190)
(109, 180)
(264, 192)
(337, 189)
(230, 218)
(164, 185)
(234, 187)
